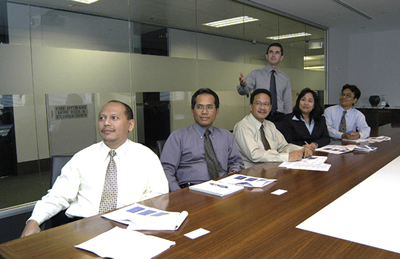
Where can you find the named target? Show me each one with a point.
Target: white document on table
(336, 149)
(316, 163)
(121, 243)
(140, 217)
(368, 214)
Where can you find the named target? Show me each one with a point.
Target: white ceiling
(385, 14)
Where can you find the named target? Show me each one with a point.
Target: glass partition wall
(60, 61)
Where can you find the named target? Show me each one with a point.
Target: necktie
(110, 191)
(213, 165)
(264, 139)
(272, 89)
(342, 126)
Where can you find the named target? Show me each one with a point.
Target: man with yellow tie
(107, 175)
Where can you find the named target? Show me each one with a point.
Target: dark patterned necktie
(272, 89)
(213, 165)
(264, 139)
(110, 191)
(342, 126)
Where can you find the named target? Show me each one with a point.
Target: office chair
(57, 163)
(160, 146)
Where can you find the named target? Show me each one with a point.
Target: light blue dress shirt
(355, 120)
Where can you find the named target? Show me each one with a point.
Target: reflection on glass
(88, 55)
(71, 121)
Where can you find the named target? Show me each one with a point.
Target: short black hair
(316, 113)
(128, 109)
(276, 44)
(205, 91)
(354, 89)
(260, 91)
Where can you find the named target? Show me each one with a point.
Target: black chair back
(57, 163)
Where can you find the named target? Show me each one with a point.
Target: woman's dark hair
(316, 113)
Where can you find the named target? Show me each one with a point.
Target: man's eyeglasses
(346, 95)
(259, 104)
(200, 108)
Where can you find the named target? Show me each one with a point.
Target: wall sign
(71, 112)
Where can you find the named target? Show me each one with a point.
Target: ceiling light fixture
(315, 45)
(86, 1)
(288, 36)
(231, 21)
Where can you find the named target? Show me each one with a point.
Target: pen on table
(222, 186)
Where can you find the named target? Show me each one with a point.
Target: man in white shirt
(343, 120)
(252, 145)
(79, 188)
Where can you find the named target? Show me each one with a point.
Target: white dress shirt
(248, 138)
(80, 185)
(355, 120)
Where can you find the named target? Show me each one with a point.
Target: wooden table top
(249, 224)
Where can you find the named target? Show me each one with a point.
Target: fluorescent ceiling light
(288, 36)
(231, 21)
(315, 45)
(86, 1)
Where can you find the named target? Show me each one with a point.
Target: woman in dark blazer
(306, 126)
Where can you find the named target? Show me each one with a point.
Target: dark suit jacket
(296, 132)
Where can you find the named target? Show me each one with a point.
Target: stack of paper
(121, 243)
(316, 163)
(140, 217)
(216, 188)
(364, 148)
(336, 149)
(369, 140)
(247, 181)
(339, 149)
(378, 139)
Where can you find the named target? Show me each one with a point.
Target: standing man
(258, 139)
(200, 152)
(272, 79)
(343, 120)
(107, 175)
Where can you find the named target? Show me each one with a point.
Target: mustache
(107, 128)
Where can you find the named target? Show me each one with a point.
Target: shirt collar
(342, 110)
(269, 69)
(200, 130)
(295, 118)
(302, 119)
(120, 151)
(256, 122)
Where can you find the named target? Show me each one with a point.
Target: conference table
(252, 223)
